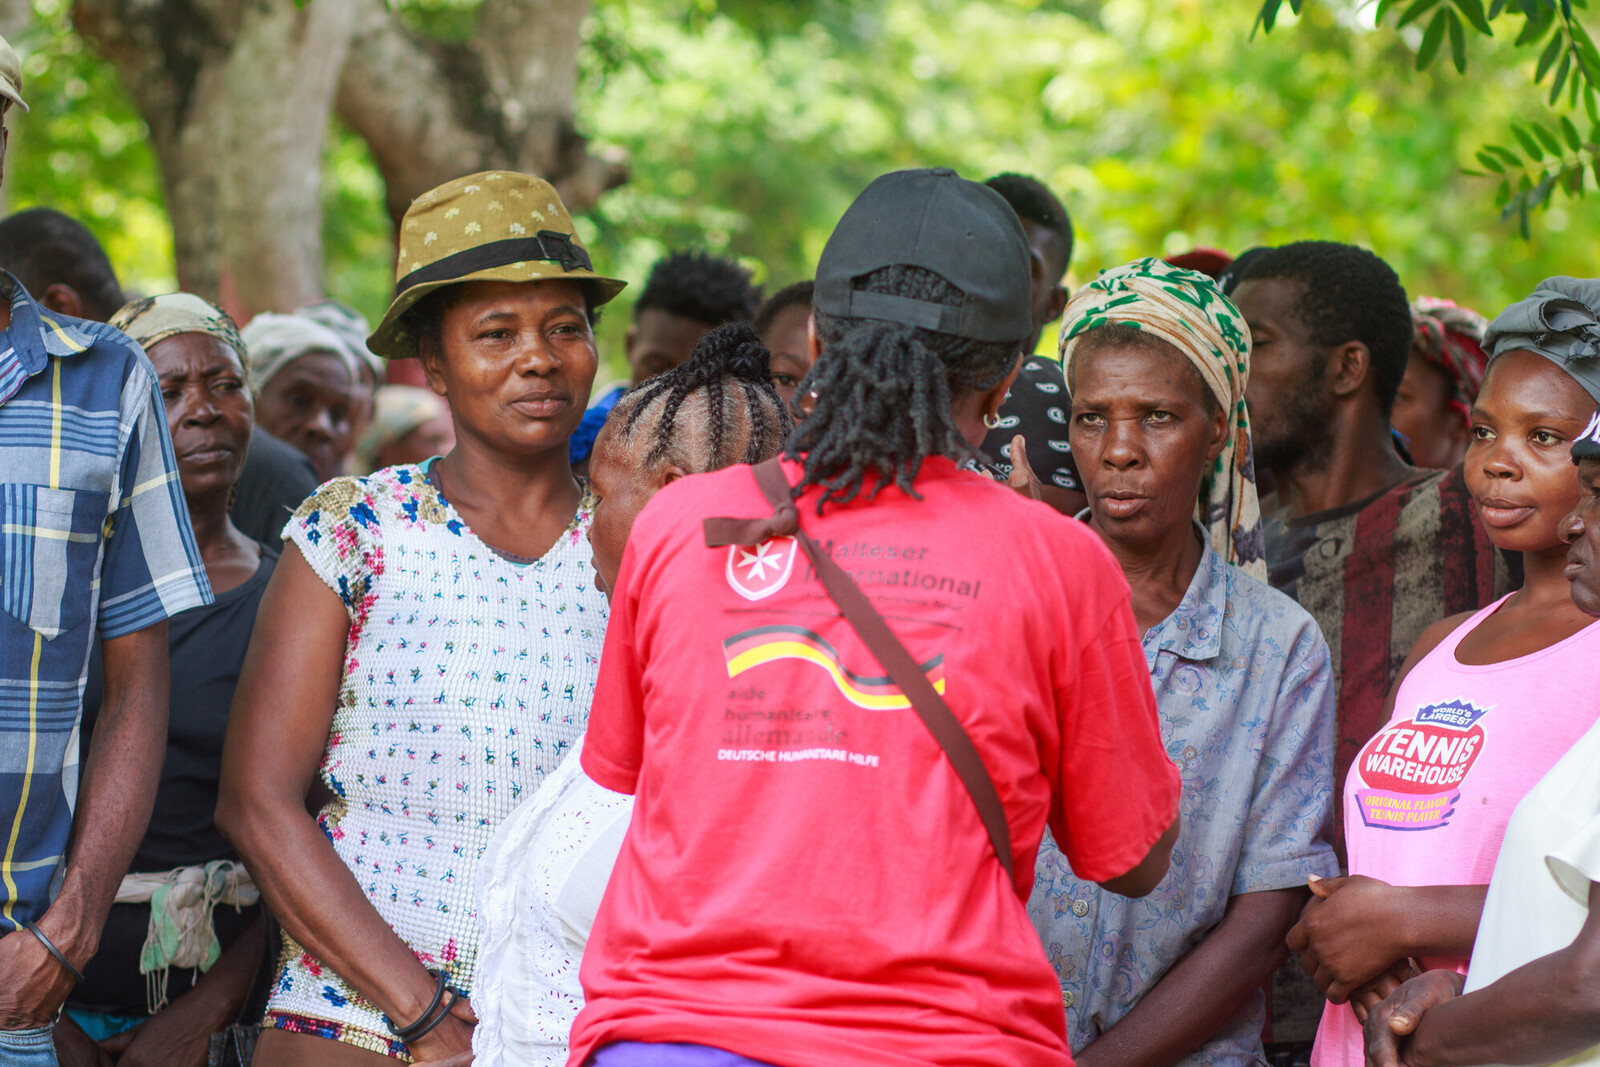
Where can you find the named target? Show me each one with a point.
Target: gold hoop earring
(991, 422)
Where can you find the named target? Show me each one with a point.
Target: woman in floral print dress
(428, 646)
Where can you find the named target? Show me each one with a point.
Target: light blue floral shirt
(1245, 692)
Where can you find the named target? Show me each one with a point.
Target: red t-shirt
(805, 879)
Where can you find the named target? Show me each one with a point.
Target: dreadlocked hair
(884, 390)
(715, 409)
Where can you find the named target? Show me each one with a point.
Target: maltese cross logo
(759, 571)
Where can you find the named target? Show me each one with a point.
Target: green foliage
(357, 242)
(1162, 124)
(1568, 57)
(84, 150)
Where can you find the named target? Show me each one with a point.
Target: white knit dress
(467, 678)
(540, 885)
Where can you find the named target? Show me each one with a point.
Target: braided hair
(884, 391)
(715, 409)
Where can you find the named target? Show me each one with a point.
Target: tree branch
(432, 111)
(236, 97)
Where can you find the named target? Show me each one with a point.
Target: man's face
(659, 340)
(1048, 263)
(1581, 531)
(1289, 395)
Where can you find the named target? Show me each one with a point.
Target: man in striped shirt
(95, 545)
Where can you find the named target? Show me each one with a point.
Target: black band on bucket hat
(548, 245)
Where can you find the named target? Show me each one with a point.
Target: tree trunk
(15, 18)
(237, 94)
(431, 111)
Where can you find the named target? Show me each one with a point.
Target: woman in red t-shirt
(806, 879)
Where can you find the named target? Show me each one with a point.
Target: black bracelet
(444, 1011)
(408, 1033)
(49, 946)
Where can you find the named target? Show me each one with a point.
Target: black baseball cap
(962, 231)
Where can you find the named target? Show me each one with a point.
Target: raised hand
(1022, 478)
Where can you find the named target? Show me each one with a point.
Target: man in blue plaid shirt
(95, 545)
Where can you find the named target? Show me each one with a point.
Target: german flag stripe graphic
(767, 644)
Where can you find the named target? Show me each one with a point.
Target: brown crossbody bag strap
(880, 640)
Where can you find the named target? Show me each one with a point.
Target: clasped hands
(1347, 942)
(1350, 942)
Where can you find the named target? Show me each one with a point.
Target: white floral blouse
(467, 678)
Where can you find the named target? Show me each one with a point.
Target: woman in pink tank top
(1484, 706)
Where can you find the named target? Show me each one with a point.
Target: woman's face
(1581, 531)
(1436, 431)
(1519, 462)
(623, 488)
(1143, 434)
(210, 412)
(516, 360)
(309, 403)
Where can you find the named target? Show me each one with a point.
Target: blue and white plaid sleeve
(152, 567)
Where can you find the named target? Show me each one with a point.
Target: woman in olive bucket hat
(429, 643)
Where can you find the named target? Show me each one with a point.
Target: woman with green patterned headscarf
(1157, 358)
(1186, 310)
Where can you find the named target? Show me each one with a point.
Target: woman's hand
(450, 1043)
(74, 1048)
(1394, 1020)
(178, 1035)
(1369, 996)
(1347, 933)
(1022, 478)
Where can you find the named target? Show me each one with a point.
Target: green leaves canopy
(1162, 124)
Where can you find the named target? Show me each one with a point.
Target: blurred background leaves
(749, 126)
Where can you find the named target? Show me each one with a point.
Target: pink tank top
(1429, 796)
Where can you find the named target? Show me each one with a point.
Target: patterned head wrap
(156, 318)
(1188, 311)
(278, 340)
(351, 326)
(397, 410)
(1561, 322)
(1451, 338)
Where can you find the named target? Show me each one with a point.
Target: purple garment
(646, 1054)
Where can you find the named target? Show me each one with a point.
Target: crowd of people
(851, 684)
